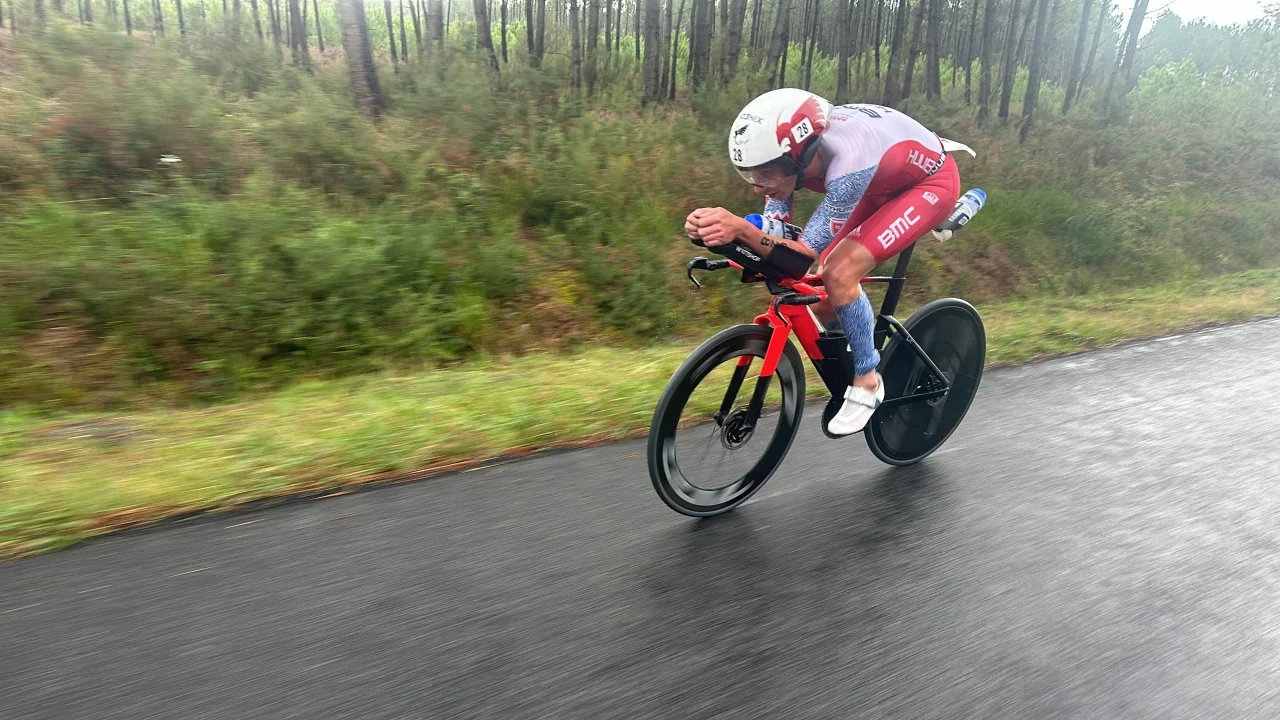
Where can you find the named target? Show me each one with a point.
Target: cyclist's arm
(762, 244)
(827, 222)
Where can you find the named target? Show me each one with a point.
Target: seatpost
(892, 294)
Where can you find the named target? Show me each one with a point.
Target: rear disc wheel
(951, 333)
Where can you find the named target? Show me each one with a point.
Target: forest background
(203, 199)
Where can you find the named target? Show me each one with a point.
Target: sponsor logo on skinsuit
(898, 227)
(920, 160)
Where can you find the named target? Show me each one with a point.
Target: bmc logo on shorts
(917, 158)
(898, 227)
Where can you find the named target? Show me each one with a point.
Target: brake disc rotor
(735, 432)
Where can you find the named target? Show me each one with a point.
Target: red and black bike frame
(829, 353)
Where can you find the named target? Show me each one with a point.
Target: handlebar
(701, 263)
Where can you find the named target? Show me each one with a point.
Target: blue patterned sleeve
(842, 197)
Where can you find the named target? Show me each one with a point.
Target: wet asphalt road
(1095, 541)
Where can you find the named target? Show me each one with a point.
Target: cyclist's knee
(843, 271)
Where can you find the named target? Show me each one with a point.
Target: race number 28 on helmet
(776, 135)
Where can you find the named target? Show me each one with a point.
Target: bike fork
(772, 355)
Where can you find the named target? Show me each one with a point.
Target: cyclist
(887, 181)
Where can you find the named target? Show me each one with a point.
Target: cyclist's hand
(714, 226)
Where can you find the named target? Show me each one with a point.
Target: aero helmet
(782, 124)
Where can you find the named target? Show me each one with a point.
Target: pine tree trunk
(159, 16)
(182, 20)
(988, 45)
(968, 55)
(575, 75)
(665, 40)
(298, 31)
(778, 45)
(484, 34)
(257, 18)
(1131, 46)
(1077, 57)
(359, 57)
(434, 29)
(1103, 8)
(404, 36)
(704, 16)
(528, 29)
(675, 50)
(593, 38)
(271, 18)
(128, 22)
(842, 49)
(415, 17)
(893, 90)
(786, 53)
(315, 7)
(733, 40)
(812, 42)
(637, 31)
(868, 25)
(653, 50)
(1010, 65)
(503, 10)
(540, 34)
(1033, 77)
(917, 41)
(878, 37)
(933, 76)
(754, 42)
(804, 35)
(1020, 57)
(391, 33)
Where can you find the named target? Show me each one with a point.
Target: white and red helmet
(783, 123)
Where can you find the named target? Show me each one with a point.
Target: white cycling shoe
(859, 406)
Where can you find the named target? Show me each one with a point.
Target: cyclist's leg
(826, 310)
(893, 227)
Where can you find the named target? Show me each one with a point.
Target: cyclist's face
(775, 179)
(774, 184)
(782, 189)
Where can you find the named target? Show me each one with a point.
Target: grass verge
(67, 479)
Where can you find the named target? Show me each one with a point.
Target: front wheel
(706, 456)
(950, 332)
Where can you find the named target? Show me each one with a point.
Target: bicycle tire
(677, 491)
(951, 333)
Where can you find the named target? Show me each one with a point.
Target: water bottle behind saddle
(966, 207)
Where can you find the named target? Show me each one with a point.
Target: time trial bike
(713, 443)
